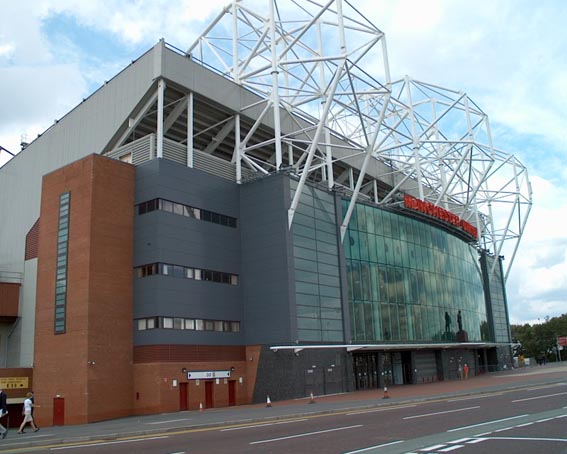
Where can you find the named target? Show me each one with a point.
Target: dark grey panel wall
(170, 238)
(268, 298)
(286, 375)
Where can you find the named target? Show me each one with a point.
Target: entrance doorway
(231, 393)
(58, 411)
(183, 396)
(365, 366)
(209, 394)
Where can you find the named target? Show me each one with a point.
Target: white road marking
(440, 412)
(307, 434)
(474, 397)
(432, 448)
(538, 397)
(374, 447)
(475, 441)
(544, 420)
(564, 440)
(262, 425)
(95, 444)
(451, 448)
(525, 424)
(554, 385)
(379, 409)
(485, 423)
(166, 422)
(462, 440)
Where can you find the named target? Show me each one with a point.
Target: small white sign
(207, 374)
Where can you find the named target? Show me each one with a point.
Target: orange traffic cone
(268, 402)
(386, 393)
(201, 406)
(311, 399)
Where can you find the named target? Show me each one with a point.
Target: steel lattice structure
(321, 71)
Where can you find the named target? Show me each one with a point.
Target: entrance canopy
(387, 347)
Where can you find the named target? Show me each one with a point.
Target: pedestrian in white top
(28, 405)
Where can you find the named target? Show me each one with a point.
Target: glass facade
(407, 280)
(316, 264)
(496, 297)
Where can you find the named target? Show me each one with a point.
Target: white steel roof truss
(431, 141)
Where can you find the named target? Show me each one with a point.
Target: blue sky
(509, 56)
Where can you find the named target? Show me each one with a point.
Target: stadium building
(266, 213)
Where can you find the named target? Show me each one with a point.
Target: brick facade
(90, 365)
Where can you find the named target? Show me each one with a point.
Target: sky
(509, 56)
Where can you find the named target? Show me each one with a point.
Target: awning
(389, 347)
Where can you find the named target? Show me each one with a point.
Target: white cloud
(508, 56)
(538, 283)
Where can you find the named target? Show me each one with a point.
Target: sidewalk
(153, 424)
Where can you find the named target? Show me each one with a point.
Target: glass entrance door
(365, 367)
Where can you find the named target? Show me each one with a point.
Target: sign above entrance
(438, 212)
(14, 382)
(207, 374)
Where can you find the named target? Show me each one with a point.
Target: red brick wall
(9, 300)
(188, 353)
(90, 365)
(154, 390)
(32, 240)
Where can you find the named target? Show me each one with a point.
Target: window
(167, 269)
(61, 263)
(179, 323)
(187, 211)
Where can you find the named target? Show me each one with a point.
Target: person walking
(466, 371)
(28, 405)
(3, 412)
(33, 406)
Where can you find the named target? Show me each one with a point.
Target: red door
(58, 411)
(231, 393)
(182, 396)
(209, 394)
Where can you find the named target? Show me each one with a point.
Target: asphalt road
(532, 419)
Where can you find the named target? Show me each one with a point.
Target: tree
(540, 340)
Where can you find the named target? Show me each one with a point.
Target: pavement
(170, 422)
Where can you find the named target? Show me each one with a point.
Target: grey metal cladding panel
(265, 272)
(186, 337)
(177, 297)
(84, 130)
(173, 181)
(198, 244)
